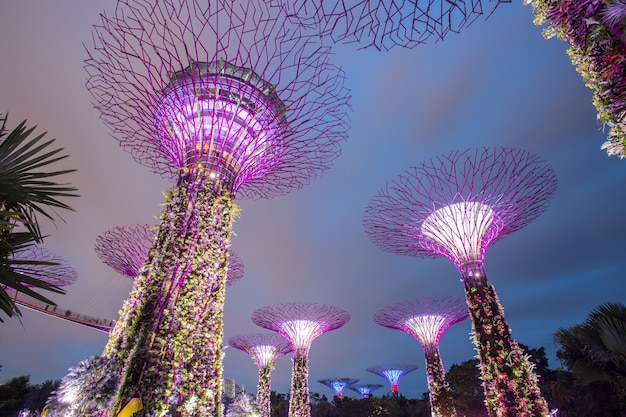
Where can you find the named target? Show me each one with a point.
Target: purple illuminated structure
(365, 390)
(56, 271)
(338, 385)
(300, 323)
(392, 373)
(383, 24)
(264, 349)
(227, 100)
(125, 249)
(427, 320)
(455, 206)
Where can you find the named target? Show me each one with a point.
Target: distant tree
(279, 404)
(467, 389)
(25, 192)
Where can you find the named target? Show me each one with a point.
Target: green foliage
(594, 354)
(25, 192)
(19, 394)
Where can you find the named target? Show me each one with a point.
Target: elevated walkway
(101, 324)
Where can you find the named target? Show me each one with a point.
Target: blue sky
(497, 83)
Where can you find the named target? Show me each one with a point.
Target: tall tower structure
(455, 206)
(227, 100)
(264, 349)
(125, 249)
(365, 390)
(338, 385)
(384, 24)
(392, 373)
(301, 324)
(426, 320)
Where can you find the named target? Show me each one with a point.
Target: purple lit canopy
(222, 87)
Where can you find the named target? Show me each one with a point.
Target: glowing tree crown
(455, 205)
(365, 389)
(263, 348)
(125, 249)
(56, 272)
(393, 373)
(338, 385)
(383, 24)
(222, 89)
(301, 323)
(425, 319)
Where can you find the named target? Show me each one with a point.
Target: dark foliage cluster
(18, 394)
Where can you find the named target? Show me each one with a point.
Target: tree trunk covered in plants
(168, 340)
(263, 390)
(299, 401)
(440, 398)
(511, 388)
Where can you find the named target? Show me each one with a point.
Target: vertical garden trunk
(167, 343)
(510, 385)
(263, 392)
(299, 403)
(439, 391)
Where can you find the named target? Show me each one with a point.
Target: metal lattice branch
(338, 385)
(263, 348)
(301, 323)
(384, 24)
(392, 373)
(455, 205)
(56, 271)
(425, 319)
(224, 87)
(365, 390)
(125, 249)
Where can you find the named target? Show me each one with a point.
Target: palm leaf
(22, 188)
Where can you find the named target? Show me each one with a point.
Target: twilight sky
(497, 83)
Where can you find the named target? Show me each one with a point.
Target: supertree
(426, 320)
(264, 349)
(228, 100)
(39, 263)
(455, 205)
(392, 373)
(300, 323)
(383, 24)
(365, 390)
(125, 249)
(338, 385)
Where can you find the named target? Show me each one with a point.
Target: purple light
(300, 323)
(263, 348)
(125, 249)
(225, 118)
(425, 319)
(455, 205)
(56, 272)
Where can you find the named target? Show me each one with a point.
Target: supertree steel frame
(454, 206)
(426, 320)
(264, 349)
(226, 99)
(41, 264)
(383, 24)
(300, 323)
(392, 373)
(338, 385)
(365, 390)
(125, 249)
